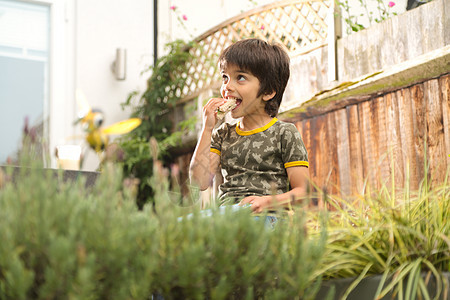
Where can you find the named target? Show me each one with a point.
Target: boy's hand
(210, 111)
(258, 203)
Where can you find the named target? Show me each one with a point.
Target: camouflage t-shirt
(254, 162)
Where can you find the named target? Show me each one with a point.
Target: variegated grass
(402, 235)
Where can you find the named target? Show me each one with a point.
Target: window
(24, 72)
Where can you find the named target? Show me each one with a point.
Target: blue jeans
(270, 221)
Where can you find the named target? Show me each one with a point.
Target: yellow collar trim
(261, 129)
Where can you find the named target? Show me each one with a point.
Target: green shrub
(61, 240)
(155, 107)
(233, 256)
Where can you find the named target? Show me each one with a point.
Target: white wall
(101, 27)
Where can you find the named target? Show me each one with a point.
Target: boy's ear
(267, 97)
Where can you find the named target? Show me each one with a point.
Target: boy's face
(242, 85)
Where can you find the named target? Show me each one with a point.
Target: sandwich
(226, 107)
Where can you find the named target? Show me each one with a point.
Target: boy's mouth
(238, 101)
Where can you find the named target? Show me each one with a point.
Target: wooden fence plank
(343, 152)
(383, 162)
(407, 137)
(369, 148)
(420, 129)
(395, 157)
(314, 151)
(332, 174)
(319, 156)
(320, 150)
(299, 126)
(444, 85)
(355, 146)
(306, 133)
(435, 139)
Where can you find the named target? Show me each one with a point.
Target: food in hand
(226, 107)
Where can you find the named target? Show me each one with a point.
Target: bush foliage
(61, 240)
(155, 107)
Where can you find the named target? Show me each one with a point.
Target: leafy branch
(155, 108)
(354, 23)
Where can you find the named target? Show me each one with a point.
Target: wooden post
(334, 32)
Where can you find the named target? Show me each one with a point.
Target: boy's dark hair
(269, 63)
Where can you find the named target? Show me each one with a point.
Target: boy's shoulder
(284, 130)
(282, 125)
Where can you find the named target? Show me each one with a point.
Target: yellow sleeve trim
(296, 164)
(215, 151)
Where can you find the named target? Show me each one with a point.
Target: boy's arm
(298, 179)
(205, 163)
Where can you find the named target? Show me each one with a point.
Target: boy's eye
(240, 78)
(224, 78)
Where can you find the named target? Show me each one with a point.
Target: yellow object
(91, 121)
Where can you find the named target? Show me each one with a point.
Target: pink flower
(391, 4)
(262, 27)
(184, 17)
(173, 7)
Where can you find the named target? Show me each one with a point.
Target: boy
(259, 156)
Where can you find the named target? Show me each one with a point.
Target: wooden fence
(393, 136)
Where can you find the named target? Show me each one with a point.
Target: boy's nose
(228, 86)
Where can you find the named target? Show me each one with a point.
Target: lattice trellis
(297, 24)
